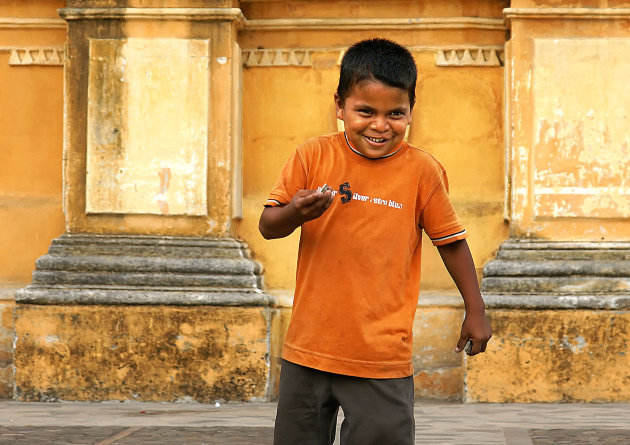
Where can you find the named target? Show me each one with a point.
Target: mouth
(376, 140)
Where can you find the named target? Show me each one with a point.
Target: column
(146, 296)
(559, 288)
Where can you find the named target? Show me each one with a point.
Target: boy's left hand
(475, 328)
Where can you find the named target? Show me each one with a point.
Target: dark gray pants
(376, 411)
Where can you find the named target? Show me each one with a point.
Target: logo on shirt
(345, 192)
(347, 195)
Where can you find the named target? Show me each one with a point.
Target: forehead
(376, 93)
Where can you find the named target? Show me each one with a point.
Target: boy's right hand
(306, 205)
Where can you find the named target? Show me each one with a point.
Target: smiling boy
(349, 341)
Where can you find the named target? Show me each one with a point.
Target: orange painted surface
(31, 119)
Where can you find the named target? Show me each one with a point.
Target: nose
(379, 123)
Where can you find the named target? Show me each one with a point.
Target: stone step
(122, 263)
(564, 254)
(557, 285)
(116, 269)
(557, 268)
(72, 239)
(68, 294)
(42, 277)
(179, 247)
(565, 245)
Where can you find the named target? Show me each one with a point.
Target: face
(375, 117)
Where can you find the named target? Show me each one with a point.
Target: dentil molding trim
(444, 56)
(279, 57)
(36, 55)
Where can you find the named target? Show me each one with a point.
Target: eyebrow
(363, 105)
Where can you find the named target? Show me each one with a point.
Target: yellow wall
(458, 117)
(31, 141)
(150, 353)
(31, 116)
(569, 148)
(551, 356)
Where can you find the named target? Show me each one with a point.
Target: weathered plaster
(580, 154)
(438, 372)
(569, 158)
(150, 353)
(553, 356)
(148, 115)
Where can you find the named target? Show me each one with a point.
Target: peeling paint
(160, 354)
(162, 197)
(134, 131)
(52, 339)
(568, 356)
(576, 345)
(212, 224)
(581, 161)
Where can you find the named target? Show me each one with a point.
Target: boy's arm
(460, 266)
(281, 221)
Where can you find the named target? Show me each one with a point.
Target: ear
(339, 107)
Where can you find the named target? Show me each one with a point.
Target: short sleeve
(291, 180)
(439, 219)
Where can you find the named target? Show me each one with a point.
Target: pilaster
(558, 291)
(150, 107)
(147, 296)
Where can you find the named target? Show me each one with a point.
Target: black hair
(378, 59)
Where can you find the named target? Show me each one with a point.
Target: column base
(551, 356)
(143, 318)
(559, 313)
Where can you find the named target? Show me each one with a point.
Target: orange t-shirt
(358, 270)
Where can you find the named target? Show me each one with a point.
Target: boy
(349, 341)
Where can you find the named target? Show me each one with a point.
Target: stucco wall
(458, 117)
(31, 118)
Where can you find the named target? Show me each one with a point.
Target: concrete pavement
(110, 423)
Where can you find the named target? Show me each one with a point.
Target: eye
(365, 111)
(397, 114)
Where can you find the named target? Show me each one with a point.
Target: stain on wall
(581, 152)
(150, 353)
(148, 113)
(553, 356)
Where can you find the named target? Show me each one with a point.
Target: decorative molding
(481, 56)
(567, 13)
(445, 56)
(31, 22)
(180, 14)
(403, 23)
(36, 55)
(235, 14)
(277, 57)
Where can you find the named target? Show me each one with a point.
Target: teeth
(376, 140)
